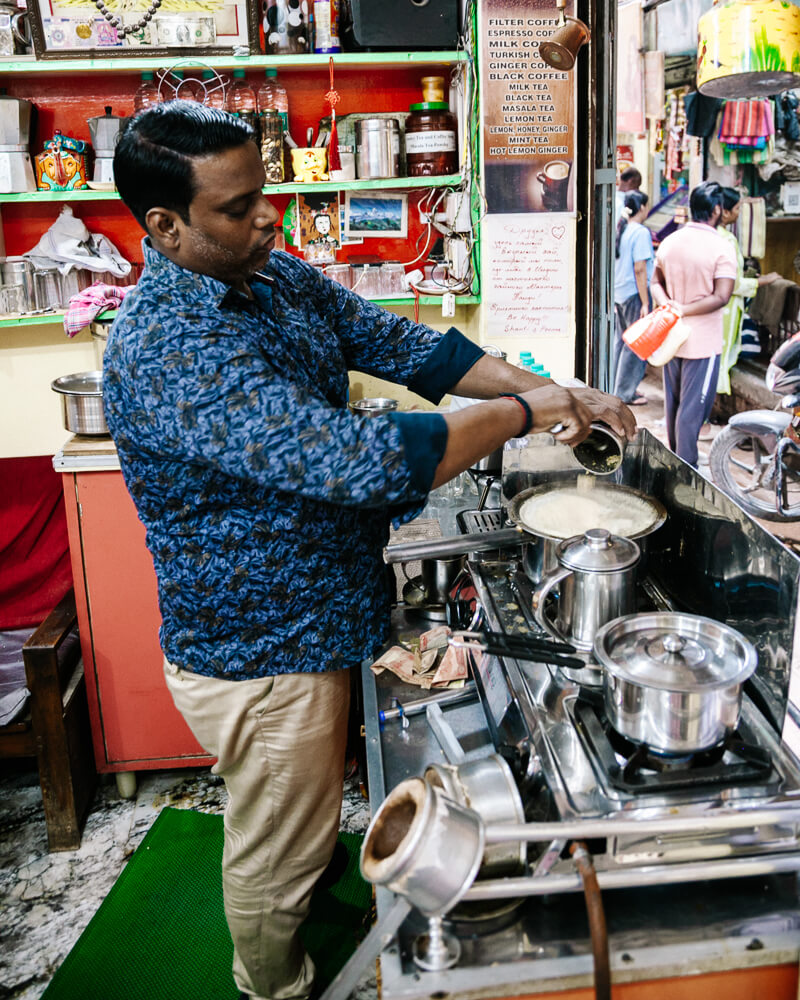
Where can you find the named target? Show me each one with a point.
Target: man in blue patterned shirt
(267, 503)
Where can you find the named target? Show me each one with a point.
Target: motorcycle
(756, 458)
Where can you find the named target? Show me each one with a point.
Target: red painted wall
(66, 101)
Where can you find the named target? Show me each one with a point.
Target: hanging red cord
(416, 303)
(333, 97)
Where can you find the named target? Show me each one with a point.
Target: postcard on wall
(529, 275)
(375, 214)
(318, 232)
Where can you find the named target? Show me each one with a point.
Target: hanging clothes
(752, 227)
(733, 314)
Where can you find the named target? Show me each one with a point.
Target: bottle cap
(238, 74)
(147, 76)
(430, 106)
(270, 72)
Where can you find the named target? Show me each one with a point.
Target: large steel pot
(82, 402)
(673, 681)
(542, 556)
(424, 846)
(487, 786)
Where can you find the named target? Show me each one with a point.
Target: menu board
(528, 110)
(528, 278)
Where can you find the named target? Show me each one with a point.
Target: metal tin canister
(377, 147)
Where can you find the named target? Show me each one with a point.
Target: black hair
(153, 160)
(632, 176)
(634, 200)
(730, 198)
(704, 199)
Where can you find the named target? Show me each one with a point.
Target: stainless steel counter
(541, 945)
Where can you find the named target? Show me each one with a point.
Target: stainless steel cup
(19, 271)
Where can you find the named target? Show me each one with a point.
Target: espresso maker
(105, 131)
(16, 170)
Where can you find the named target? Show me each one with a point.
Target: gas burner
(637, 769)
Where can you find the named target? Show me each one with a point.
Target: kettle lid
(598, 551)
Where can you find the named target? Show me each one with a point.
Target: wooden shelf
(292, 187)
(137, 63)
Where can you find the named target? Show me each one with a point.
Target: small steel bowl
(372, 407)
(82, 402)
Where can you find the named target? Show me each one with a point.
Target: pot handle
(540, 599)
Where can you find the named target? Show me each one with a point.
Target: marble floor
(46, 900)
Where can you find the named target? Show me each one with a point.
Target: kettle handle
(24, 37)
(540, 599)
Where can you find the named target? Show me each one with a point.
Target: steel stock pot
(673, 681)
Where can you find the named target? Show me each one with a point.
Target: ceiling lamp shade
(748, 48)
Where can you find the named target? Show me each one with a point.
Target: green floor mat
(160, 934)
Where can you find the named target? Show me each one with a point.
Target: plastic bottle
(272, 94)
(187, 89)
(146, 94)
(326, 26)
(214, 91)
(242, 100)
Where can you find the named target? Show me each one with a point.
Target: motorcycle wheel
(746, 474)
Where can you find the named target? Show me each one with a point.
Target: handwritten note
(529, 265)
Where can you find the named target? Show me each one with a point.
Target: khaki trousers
(280, 746)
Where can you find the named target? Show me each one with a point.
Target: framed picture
(370, 214)
(74, 29)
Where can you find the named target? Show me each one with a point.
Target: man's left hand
(609, 410)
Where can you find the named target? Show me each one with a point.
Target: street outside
(651, 416)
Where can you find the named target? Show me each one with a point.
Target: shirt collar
(193, 285)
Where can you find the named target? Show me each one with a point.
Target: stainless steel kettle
(596, 580)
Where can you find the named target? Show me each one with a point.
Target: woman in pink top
(695, 273)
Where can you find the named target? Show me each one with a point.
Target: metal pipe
(458, 545)
(596, 828)
(633, 878)
(465, 693)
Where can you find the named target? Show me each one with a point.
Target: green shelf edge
(123, 64)
(57, 318)
(390, 183)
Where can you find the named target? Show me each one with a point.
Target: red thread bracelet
(525, 409)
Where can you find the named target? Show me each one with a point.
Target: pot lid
(673, 651)
(598, 551)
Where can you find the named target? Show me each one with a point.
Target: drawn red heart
(558, 231)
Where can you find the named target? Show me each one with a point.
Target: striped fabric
(747, 123)
(751, 227)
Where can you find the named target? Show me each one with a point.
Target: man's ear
(164, 227)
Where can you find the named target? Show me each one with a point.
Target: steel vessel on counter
(424, 846)
(673, 681)
(487, 786)
(596, 582)
(525, 531)
(82, 402)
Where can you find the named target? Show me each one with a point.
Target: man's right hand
(553, 405)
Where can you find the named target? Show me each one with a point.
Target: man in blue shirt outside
(267, 504)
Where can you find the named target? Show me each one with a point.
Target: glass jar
(431, 148)
(340, 273)
(272, 146)
(393, 282)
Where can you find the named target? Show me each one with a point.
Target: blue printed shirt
(266, 502)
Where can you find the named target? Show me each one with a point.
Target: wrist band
(525, 409)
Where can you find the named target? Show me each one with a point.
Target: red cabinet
(134, 722)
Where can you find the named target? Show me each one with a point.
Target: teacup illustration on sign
(554, 179)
